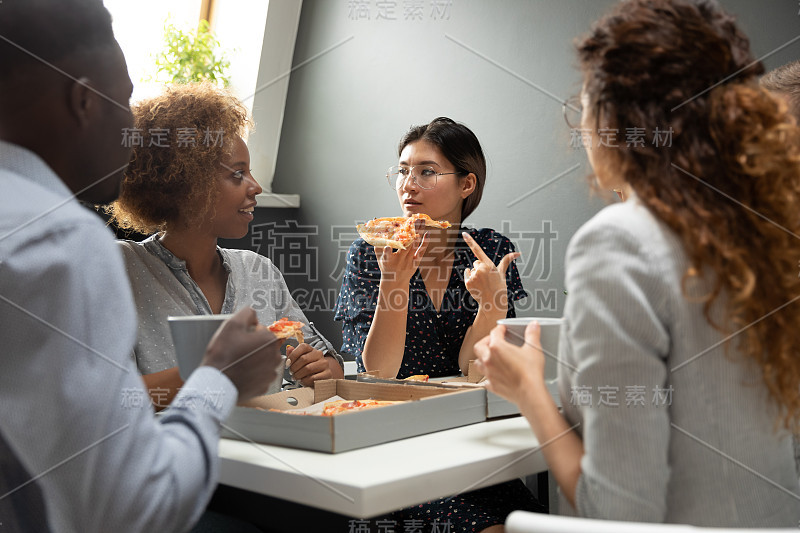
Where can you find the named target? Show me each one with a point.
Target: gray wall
(499, 66)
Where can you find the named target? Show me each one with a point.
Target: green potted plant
(191, 56)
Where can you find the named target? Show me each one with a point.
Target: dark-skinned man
(75, 456)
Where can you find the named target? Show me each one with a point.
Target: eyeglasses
(572, 110)
(423, 175)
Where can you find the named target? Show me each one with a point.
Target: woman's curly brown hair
(185, 134)
(729, 185)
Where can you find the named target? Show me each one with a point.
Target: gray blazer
(674, 430)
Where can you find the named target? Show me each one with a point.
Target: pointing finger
(506, 260)
(479, 253)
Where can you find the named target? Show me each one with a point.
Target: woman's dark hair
(785, 81)
(460, 146)
(729, 183)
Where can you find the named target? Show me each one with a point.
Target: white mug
(191, 335)
(550, 328)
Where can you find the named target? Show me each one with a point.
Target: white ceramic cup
(550, 328)
(191, 335)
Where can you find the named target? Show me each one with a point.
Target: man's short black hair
(50, 30)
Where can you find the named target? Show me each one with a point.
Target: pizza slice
(397, 232)
(285, 328)
(343, 406)
(429, 222)
(418, 377)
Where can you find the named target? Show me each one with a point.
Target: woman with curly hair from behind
(187, 185)
(680, 329)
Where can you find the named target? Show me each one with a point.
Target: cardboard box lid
(496, 406)
(431, 409)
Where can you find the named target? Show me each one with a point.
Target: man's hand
(248, 355)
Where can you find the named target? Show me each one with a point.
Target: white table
(379, 479)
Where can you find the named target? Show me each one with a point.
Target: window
(240, 27)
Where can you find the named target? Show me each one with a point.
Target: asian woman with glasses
(420, 310)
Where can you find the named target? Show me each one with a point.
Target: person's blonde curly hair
(186, 132)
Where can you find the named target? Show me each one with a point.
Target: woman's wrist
(393, 295)
(533, 391)
(491, 313)
(388, 287)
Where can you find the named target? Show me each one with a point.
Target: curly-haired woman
(680, 374)
(189, 184)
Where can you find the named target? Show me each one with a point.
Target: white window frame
(269, 100)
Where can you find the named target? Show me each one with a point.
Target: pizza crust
(429, 222)
(284, 328)
(380, 242)
(403, 229)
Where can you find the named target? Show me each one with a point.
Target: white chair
(525, 522)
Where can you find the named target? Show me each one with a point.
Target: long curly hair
(729, 185)
(179, 140)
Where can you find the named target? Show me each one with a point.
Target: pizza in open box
(342, 406)
(397, 232)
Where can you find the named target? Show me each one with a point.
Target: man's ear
(468, 184)
(82, 100)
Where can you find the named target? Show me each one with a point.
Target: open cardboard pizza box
(496, 406)
(428, 409)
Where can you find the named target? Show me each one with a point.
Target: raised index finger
(477, 250)
(506, 260)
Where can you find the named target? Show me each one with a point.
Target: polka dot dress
(472, 511)
(433, 339)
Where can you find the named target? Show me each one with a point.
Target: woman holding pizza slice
(420, 310)
(187, 188)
